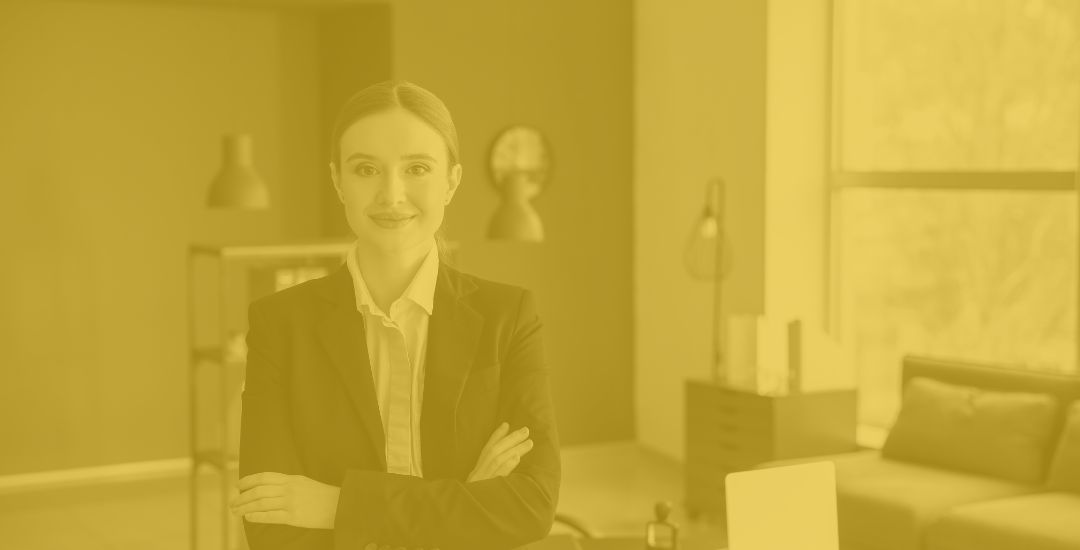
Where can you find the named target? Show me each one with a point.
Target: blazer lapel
(453, 334)
(342, 334)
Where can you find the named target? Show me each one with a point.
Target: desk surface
(569, 542)
(637, 543)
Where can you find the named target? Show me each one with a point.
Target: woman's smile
(392, 221)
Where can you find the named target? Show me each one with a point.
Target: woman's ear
(455, 181)
(337, 184)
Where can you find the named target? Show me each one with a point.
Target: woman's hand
(271, 497)
(502, 453)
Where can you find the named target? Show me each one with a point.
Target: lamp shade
(237, 184)
(515, 219)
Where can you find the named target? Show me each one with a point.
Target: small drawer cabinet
(730, 429)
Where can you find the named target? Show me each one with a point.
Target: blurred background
(762, 202)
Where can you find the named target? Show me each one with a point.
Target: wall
(797, 166)
(736, 90)
(355, 42)
(699, 113)
(563, 66)
(112, 116)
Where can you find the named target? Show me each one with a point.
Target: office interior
(772, 232)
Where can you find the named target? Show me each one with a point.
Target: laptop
(784, 507)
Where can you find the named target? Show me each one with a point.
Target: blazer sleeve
(266, 443)
(451, 514)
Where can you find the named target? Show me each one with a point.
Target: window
(956, 138)
(958, 85)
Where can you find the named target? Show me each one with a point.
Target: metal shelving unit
(222, 281)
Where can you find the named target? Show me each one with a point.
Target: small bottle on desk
(661, 534)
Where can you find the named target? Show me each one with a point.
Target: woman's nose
(392, 190)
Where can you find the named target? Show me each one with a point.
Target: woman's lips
(391, 222)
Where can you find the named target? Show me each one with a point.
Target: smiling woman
(394, 164)
(397, 402)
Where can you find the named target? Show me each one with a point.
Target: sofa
(980, 457)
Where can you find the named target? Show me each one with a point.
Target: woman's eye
(418, 169)
(366, 170)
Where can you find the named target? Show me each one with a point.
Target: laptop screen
(783, 507)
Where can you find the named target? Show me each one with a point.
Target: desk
(638, 543)
(695, 541)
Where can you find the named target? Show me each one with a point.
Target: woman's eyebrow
(403, 157)
(360, 155)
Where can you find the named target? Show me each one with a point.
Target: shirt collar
(421, 289)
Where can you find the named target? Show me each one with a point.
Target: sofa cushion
(1065, 470)
(1046, 521)
(886, 504)
(1002, 434)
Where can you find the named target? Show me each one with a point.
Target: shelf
(213, 354)
(217, 346)
(216, 459)
(274, 251)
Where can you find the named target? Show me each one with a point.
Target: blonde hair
(396, 93)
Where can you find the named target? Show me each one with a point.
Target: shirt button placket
(399, 434)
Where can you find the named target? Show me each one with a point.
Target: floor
(610, 487)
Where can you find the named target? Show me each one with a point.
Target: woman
(397, 402)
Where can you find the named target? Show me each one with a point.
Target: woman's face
(394, 180)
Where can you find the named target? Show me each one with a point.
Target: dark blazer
(309, 408)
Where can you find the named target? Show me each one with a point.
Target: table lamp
(520, 163)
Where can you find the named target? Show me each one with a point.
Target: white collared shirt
(409, 316)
